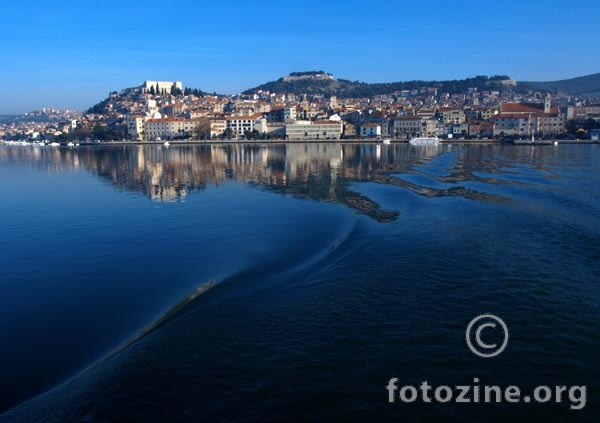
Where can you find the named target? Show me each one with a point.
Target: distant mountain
(325, 84)
(575, 86)
(46, 115)
(7, 118)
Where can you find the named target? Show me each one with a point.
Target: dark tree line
(580, 127)
(344, 88)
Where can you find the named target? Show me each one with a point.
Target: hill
(7, 118)
(46, 115)
(325, 84)
(131, 94)
(574, 86)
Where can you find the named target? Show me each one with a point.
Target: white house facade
(314, 130)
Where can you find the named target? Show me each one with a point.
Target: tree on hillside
(175, 90)
(99, 108)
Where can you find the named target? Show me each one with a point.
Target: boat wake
(265, 273)
(166, 317)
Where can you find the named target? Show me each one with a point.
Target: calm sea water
(291, 282)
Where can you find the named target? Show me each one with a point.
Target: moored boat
(424, 141)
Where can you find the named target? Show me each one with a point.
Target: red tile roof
(520, 108)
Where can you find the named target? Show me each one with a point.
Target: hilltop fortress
(161, 86)
(319, 75)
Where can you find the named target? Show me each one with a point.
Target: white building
(289, 113)
(151, 106)
(135, 127)
(169, 128)
(239, 125)
(314, 130)
(370, 130)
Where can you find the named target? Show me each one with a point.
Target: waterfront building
(481, 129)
(217, 127)
(135, 127)
(313, 130)
(168, 128)
(239, 125)
(528, 119)
(350, 130)
(370, 129)
(408, 126)
(273, 129)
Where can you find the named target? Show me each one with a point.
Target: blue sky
(71, 54)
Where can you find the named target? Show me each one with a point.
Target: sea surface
(291, 282)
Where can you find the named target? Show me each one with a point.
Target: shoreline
(339, 141)
(180, 143)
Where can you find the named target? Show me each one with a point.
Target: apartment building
(135, 126)
(408, 126)
(239, 125)
(168, 128)
(314, 130)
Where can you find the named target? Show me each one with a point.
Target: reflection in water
(321, 172)
(306, 295)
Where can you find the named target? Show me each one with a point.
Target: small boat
(166, 143)
(387, 141)
(425, 141)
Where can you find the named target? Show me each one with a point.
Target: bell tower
(547, 103)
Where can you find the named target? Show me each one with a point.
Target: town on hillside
(165, 110)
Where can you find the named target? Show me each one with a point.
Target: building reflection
(322, 172)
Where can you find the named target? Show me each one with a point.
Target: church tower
(547, 103)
